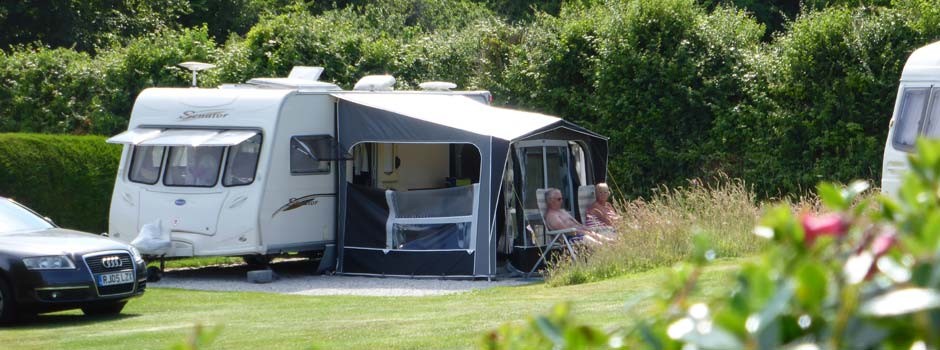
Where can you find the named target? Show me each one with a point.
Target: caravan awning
(182, 137)
(230, 138)
(455, 111)
(135, 136)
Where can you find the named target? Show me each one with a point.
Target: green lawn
(272, 321)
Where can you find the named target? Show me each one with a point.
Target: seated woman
(601, 215)
(557, 218)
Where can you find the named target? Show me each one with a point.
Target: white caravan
(411, 183)
(916, 113)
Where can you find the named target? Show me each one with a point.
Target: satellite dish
(195, 67)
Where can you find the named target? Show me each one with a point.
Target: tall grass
(658, 231)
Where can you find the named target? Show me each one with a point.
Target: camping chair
(586, 197)
(559, 238)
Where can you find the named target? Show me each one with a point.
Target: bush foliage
(684, 88)
(862, 276)
(67, 178)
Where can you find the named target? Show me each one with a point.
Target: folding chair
(586, 197)
(559, 238)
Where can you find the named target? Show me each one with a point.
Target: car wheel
(7, 304)
(104, 309)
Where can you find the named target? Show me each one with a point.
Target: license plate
(116, 278)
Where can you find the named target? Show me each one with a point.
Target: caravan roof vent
(375, 83)
(437, 85)
(300, 77)
(304, 72)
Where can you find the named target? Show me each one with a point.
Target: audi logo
(111, 262)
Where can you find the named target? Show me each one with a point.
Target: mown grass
(200, 261)
(163, 317)
(658, 232)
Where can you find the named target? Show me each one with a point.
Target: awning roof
(459, 112)
(182, 137)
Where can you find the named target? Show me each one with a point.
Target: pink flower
(824, 225)
(883, 242)
(879, 247)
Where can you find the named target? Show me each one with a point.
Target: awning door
(181, 138)
(134, 136)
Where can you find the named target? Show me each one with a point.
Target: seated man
(557, 218)
(601, 215)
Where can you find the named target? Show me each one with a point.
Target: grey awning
(457, 112)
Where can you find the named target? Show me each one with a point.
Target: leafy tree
(85, 25)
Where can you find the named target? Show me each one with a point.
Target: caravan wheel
(257, 260)
(154, 274)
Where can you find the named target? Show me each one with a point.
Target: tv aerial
(196, 67)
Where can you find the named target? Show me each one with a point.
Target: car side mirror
(49, 220)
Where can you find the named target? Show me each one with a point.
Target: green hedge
(652, 75)
(67, 178)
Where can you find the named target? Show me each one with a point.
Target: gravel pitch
(293, 277)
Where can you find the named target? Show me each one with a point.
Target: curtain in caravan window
(145, 164)
(242, 162)
(193, 166)
(913, 103)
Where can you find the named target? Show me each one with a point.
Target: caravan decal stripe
(295, 203)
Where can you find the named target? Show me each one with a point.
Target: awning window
(134, 136)
(181, 138)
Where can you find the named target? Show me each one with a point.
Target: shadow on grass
(60, 320)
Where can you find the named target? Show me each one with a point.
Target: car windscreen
(15, 218)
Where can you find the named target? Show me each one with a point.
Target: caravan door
(544, 164)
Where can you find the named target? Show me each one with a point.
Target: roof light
(305, 72)
(300, 77)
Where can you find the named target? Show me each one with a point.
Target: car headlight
(136, 254)
(57, 262)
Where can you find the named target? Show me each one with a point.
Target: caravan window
(193, 166)
(311, 154)
(145, 164)
(932, 118)
(242, 162)
(910, 117)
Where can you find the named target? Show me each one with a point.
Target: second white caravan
(916, 114)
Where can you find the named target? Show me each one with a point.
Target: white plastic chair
(559, 238)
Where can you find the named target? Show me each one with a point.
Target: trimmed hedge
(67, 178)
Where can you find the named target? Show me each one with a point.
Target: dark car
(44, 268)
